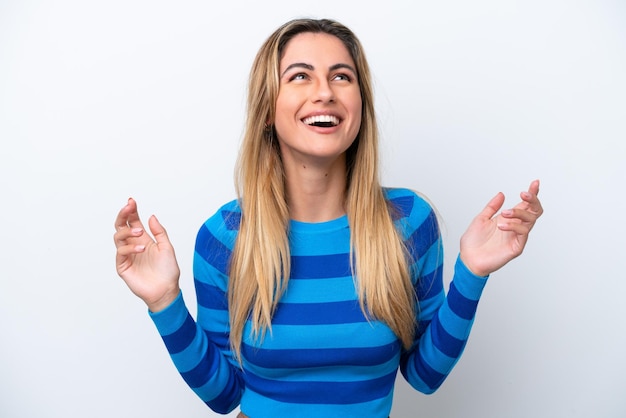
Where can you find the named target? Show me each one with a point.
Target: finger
(530, 200)
(531, 203)
(515, 227)
(124, 256)
(124, 234)
(493, 206)
(521, 214)
(532, 192)
(133, 216)
(122, 217)
(534, 187)
(159, 232)
(124, 251)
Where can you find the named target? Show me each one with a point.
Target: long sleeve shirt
(323, 356)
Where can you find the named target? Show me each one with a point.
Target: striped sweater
(323, 357)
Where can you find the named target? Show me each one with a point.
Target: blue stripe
(421, 328)
(221, 339)
(432, 259)
(320, 266)
(212, 250)
(339, 374)
(230, 395)
(431, 377)
(339, 393)
(401, 207)
(210, 297)
(446, 343)
(348, 336)
(343, 312)
(182, 337)
(232, 220)
(254, 402)
(205, 370)
(430, 284)
(213, 320)
(460, 305)
(312, 291)
(424, 236)
(320, 357)
(453, 323)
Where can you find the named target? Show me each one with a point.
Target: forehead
(315, 48)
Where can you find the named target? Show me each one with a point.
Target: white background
(100, 101)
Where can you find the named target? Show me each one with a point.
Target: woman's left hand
(492, 241)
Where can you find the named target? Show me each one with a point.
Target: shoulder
(228, 215)
(223, 225)
(407, 203)
(413, 215)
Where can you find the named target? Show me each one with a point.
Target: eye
(342, 77)
(298, 76)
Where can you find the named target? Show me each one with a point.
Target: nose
(323, 92)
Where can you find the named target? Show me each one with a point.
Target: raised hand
(148, 266)
(493, 240)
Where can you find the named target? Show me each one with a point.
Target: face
(318, 109)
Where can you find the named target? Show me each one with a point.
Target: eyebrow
(311, 68)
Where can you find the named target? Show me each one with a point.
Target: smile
(323, 121)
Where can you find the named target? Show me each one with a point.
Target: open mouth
(322, 121)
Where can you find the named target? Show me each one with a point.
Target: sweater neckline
(326, 226)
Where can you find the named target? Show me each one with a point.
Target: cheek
(357, 112)
(355, 103)
(286, 107)
(280, 115)
(285, 128)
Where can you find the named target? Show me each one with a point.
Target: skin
(317, 77)
(147, 265)
(315, 168)
(493, 240)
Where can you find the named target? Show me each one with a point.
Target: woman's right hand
(148, 266)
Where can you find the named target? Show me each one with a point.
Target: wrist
(164, 301)
(476, 270)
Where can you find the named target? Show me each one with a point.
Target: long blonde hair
(260, 264)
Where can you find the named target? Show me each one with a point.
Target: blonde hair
(260, 264)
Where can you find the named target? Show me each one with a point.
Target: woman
(317, 284)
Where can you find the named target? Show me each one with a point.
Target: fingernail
(507, 212)
(137, 230)
(140, 247)
(526, 195)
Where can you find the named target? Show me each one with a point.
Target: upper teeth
(321, 118)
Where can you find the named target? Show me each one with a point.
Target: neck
(316, 193)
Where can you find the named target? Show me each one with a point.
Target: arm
(201, 362)
(150, 270)
(201, 350)
(445, 321)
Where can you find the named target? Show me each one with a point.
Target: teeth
(334, 120)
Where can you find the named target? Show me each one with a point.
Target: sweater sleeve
(200, 348)
(445, 324)
(444, 320)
